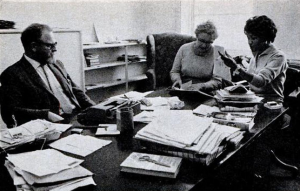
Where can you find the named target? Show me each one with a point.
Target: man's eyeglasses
(50, 46)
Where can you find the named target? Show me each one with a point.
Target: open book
(185, 91)
(134, 164)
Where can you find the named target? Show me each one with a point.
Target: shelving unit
(109, 72)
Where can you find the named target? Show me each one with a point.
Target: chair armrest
(150, 52)
(151, 79)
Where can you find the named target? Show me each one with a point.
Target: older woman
(200, 62)
(267, 68)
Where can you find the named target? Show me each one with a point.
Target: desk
(105, 163)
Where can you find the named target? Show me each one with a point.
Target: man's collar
(34, 63)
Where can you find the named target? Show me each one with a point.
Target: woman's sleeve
(274, 67)
(176, 69)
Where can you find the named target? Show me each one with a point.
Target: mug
(125, 119)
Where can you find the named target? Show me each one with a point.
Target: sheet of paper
(133, 95)
(157, 103)
(179, 125)
(17, 179)
(67, 186)
(35, 127)
(79, 144)
(110, 129)
(76, 184)
(145, 116)
(43, 162)
(67, 174)
(186, 85)
(205, 109)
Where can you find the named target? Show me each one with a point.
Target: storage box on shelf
(112, 68)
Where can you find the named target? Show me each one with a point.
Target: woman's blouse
(269, 69)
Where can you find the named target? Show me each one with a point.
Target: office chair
(291, 100)
(161, 52)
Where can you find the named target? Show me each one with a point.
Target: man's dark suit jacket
(26, 96)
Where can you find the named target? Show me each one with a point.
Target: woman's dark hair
(262, 27)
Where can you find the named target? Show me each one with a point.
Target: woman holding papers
(267, 68)
(200, 62)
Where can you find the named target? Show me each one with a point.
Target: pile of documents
(242, 118)
(30, 131)
(47, 170)
(229, 95)
(190, 133)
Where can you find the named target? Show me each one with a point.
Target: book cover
(162, 166)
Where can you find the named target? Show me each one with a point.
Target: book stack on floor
(154, 165)
(184, 134)
(92, 59)
(47, 170)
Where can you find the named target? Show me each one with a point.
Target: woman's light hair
(209, 28)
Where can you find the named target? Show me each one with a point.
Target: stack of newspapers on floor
(30, 131)
(181, 133)
(47, 170)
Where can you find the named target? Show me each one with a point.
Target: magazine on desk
(154, 165)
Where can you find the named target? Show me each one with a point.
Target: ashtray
(273, 105)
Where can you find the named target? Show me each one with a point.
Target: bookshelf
(109, 68)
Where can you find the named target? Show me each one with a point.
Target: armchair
(161, 52)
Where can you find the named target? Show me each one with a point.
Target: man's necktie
(57, 90)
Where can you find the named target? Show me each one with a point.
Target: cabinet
(110, 75)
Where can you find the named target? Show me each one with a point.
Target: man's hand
(54, 117)
(177, 83)
(228, 60)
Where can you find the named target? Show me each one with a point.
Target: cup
(125, 119)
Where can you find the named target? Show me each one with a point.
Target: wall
(230, 17)
(285, 14)
(121, 19)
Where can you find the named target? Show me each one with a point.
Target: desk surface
(105, 163)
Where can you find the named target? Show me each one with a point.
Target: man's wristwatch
(237, 70)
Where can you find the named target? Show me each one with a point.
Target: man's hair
(262, 27)
(209, 28)
(33, 33)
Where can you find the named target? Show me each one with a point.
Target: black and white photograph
(149, 95)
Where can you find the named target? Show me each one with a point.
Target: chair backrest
(292, 81)
(161, 52)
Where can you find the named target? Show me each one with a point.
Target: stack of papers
(81, 145)
(182, 129)
(242, 118)
(47, 170)
(30, 131)
(225, 96)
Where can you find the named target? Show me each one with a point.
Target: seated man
(200, 62)
(38, 86)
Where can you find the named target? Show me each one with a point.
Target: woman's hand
(177, 83)
(228, 60)
(196, 87)
(54, 117)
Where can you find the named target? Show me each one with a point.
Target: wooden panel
(69, 51)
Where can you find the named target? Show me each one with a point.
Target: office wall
(285, 14)
(121, 19)
(230, 17)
